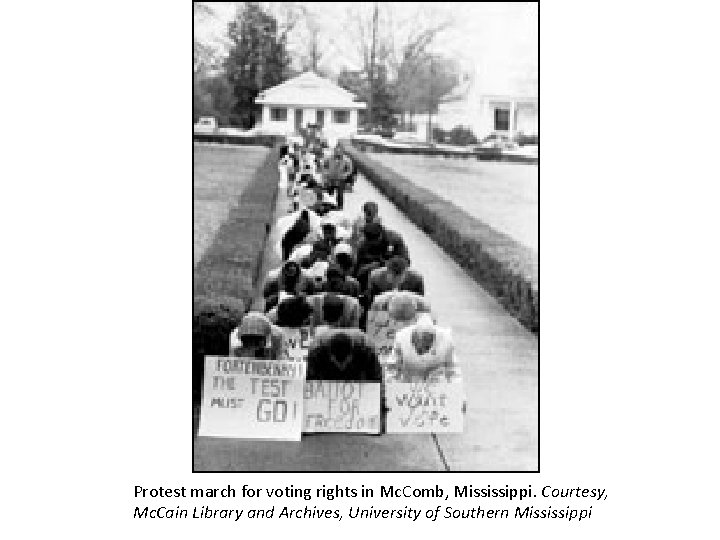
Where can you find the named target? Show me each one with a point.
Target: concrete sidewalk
(499, 356)
(500, 370)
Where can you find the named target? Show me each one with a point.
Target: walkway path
(500, 370)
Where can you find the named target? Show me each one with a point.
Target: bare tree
(203, 54)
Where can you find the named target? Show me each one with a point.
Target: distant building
(309, 99)
(508, 114)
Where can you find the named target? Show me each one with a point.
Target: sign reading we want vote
(424, 407)
(341, 406)
(252, 399)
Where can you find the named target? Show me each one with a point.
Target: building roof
(509, 97)
(309, 89)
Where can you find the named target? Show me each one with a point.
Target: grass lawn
(503, 195)
(220, 173)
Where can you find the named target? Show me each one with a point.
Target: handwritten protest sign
(424, 407)
(381, 330)
(341, 406)
(252, 399)
(296, 343)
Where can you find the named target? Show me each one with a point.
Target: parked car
(206, 124)
(498, 141)
(409, 137)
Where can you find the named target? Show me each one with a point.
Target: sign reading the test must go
(424, 407)
(341, 407)
(251, 399)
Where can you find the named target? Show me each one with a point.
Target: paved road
(500, 369)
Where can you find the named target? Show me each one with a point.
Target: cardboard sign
(296, 343)
(341, 407)
(381, 330)
(424, 407)
(251, 399)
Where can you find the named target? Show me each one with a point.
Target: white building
(309, 99)
(508, 115)
(484, 114)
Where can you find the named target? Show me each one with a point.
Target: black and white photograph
(365, 240)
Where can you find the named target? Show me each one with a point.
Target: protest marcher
(369, 215)
(329, 235)
(336, 173)
(300, 253)
(257, 338)
(320, 251)
(317, 274)
(287, 180)
(342, 221)
(395, 245)
(401, 305)
(335, 309)
(322, 206)
(395, 275)
(379, 242)
(343, 355)
(423, 350)
(292, 312)
(371, 252)
(338, 281)
(290, 280)
(344, 256)
(296, 234)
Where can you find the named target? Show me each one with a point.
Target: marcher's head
(370, 211)
(318, 271)
(341, 350)
(294, 312)
(254, 330)
(423, 334)
(290, 275)
(335, 277)
(401, 307)
(329, 230)
(333, 308)
(343, 255)
(397, 265)
(320, 250)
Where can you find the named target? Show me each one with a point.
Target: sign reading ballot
(251, 399)
(341, 406)
(424, 407)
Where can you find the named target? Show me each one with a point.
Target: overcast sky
(496, 42)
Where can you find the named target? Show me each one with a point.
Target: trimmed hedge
(487, 154)
(502, 266)
(255, 140)
(213, 320)
(226, 278)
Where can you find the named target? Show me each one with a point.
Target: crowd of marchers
(336, 269)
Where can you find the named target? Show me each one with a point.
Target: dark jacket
(387, 246)
(351, 310)
(294, 236)
(348, 286)
(363, 367)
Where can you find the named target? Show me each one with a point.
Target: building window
(502, 119)
(341, 117)
(278, 114)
